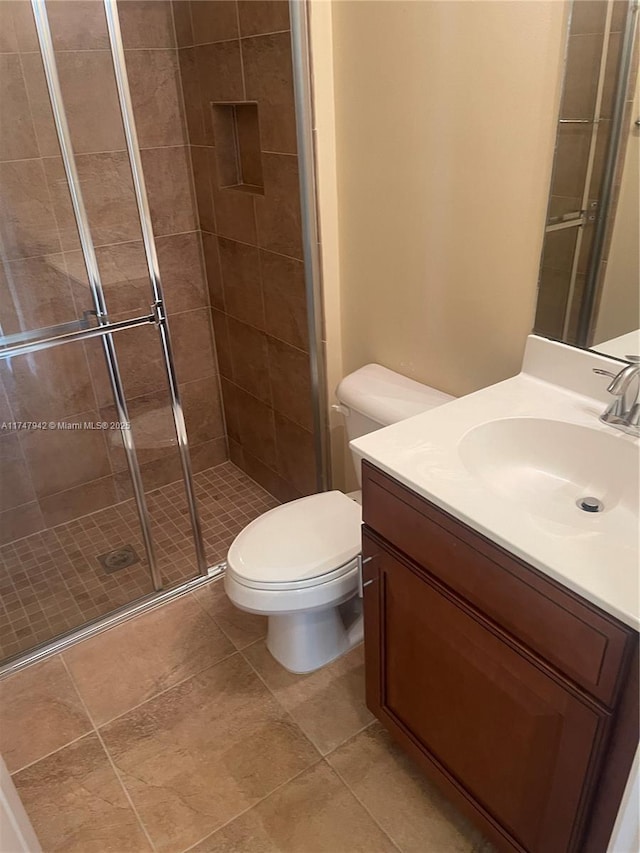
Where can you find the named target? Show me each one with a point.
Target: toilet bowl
(298, 564)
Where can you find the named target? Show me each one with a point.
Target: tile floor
(51, 582)
(177, 731)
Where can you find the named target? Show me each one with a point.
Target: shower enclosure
(114, 485)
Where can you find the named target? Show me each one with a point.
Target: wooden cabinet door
(485, 720)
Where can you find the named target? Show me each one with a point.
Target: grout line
(333, 749)
(88, 733)
(174, 30)
(239, 37)
(254, 482)
(349, 737)
(204, 145)
(78, 250)
(252, 245)
(171, 686)
(286, 711)
(96, 153)
(357, 798)
(259, 329)
(110, 759)
(286, 417)
(96, 731)
(244, 82)
(280, 153)
(263, 306)
(253, 806)
(190, 11)
(185, 125)
(477, 847)
(218, 579)
(270, 33)
(91, 49)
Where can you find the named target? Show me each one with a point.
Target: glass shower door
(84, 528)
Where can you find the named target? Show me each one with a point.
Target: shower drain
(119, 558)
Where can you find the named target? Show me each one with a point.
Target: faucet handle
(601, 372)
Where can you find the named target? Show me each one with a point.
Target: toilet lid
(297, 542)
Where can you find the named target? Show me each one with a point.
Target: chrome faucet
(624, 410)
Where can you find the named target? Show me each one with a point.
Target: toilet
(298, 563)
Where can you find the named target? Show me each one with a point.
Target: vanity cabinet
(514, 695)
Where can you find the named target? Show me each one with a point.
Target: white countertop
(422, 453)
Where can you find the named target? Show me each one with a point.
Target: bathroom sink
(514, 461)
(557, 470)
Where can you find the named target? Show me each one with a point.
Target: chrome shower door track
(116, 617)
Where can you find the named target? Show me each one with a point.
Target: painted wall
(444, 131)
(445, 124)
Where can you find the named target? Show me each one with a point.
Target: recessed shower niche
(237, 134)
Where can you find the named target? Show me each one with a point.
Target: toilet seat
(301, 544)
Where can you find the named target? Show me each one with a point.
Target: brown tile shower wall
(237, 52)
(49, 477)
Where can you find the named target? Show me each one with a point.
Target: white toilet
(298, 563)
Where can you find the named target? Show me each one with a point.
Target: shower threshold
(122, 614)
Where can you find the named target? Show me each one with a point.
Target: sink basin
(548, 467)
(513, 460)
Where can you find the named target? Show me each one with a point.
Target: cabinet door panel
(582, 642)
(517, 740)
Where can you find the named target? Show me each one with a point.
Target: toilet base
(309, 639)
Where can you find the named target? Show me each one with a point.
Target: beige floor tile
(328, 704)
(314, 813)
(204, 751)
(43, 694)
(130, 663)
(404, 803)
(76, 803)
(242, 628)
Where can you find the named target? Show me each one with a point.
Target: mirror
(589, 282)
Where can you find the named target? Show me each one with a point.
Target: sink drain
(590, 504)
(119, 558)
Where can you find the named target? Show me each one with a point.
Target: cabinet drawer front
(524, 747)
(584, 643)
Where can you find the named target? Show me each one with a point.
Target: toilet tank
(375, 397)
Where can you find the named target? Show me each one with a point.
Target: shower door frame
(23, 343)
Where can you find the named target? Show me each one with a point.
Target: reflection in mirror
(589, 285)
(616, 318)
